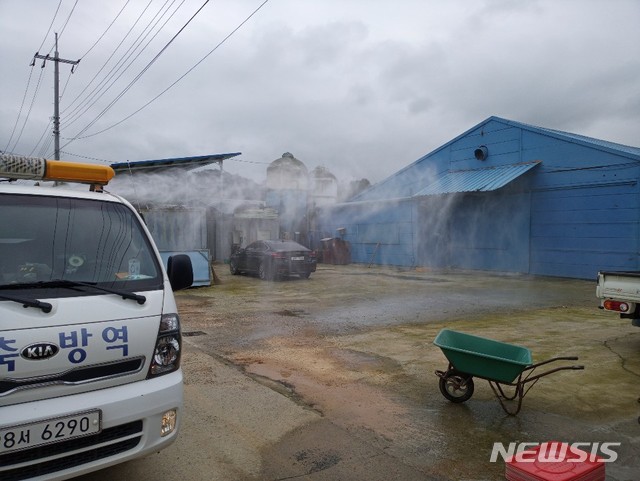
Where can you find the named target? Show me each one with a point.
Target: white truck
(90, 341)
(619, 292)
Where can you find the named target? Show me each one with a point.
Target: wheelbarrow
(507, 367)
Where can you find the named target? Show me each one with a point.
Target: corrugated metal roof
(569, 137)
(161, 164)
(476, 180)
(583, 139)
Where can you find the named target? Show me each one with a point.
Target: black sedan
(270, 259)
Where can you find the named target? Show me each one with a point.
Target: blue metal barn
(503, 196)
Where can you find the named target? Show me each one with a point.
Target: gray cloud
(361, 87)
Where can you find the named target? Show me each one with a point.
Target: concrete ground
(332, 378)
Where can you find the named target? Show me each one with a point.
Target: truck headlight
(167, 351)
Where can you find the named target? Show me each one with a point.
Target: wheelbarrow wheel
(456, 386)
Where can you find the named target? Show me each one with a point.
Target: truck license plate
(49, 431)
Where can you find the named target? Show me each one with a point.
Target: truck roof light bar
(37, 168)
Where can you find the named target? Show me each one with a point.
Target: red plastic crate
(530, 466)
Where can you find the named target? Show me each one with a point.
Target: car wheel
(305, 275)
(233, 268)
(264, 272)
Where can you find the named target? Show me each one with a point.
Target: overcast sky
(361, 87)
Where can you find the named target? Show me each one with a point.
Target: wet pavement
(332, 378)
(354, 343)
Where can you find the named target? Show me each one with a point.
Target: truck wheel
(456, 386)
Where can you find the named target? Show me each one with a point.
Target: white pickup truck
(619, 291)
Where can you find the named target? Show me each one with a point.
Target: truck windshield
(54, 238)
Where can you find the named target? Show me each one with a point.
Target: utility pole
(56, 92)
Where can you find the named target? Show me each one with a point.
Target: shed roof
(388, 188)
(187, 163)
(476, 180)
(579, 139)
(619, 149)
(633, 152)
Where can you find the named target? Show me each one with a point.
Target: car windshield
(45, 239)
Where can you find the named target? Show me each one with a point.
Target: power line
(45, 147)
(66, 84)
(67, 21)
(170, 86)
(40, 139)
(94, 45)
(105, 32)
(41, 73)
(101, 91)
(110, 57)
(126, 89)
(234, 159)
(85, 157)
(51, 25)
(33, 99)
(24, 97)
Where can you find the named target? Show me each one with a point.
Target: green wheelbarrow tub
(481, 357)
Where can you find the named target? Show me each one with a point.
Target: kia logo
(39, 351)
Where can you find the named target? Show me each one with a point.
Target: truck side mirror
(180, 271)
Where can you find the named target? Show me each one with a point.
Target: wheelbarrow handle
(553, 359)
(531, 378)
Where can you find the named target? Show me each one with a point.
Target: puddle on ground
(381, 384)
(362, 354)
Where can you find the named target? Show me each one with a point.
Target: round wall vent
(481, 152)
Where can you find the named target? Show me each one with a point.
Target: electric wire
(85, 156)
(126, 89)
(131, 63)
(233, 159)
(15, 125)
(66, 84)
(94, 44)
(37, 88)
(75, 115)
(51, 25)
(80, 136)
(46, 145)
(67, 21)
(24, 97)
(109, 58)
(45, 148)
(105, 32)
(41, 71)
(101, 88)
(40, 139)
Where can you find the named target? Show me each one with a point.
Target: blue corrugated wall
(576, 213)
(585, 210)
(379, 232)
